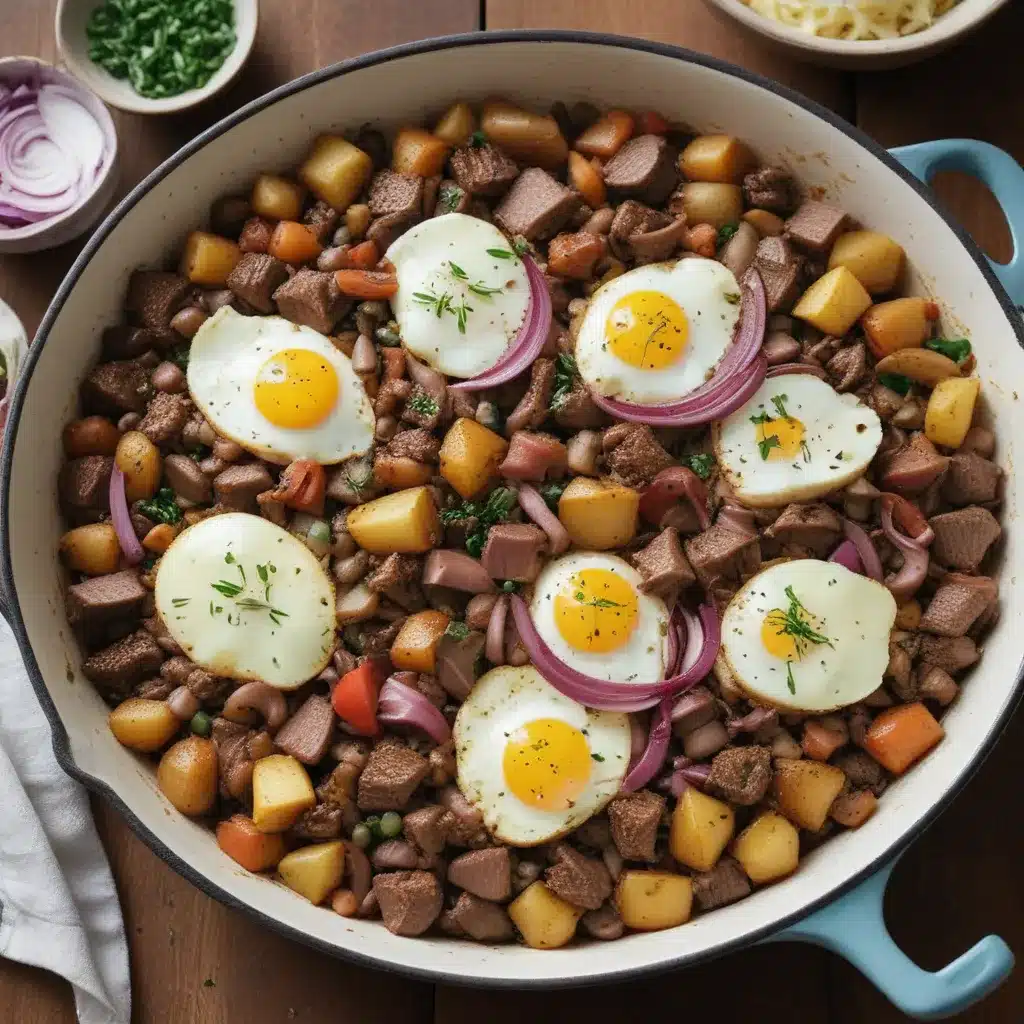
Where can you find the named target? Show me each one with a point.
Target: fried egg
(280, 390)
(245, 599)
(657, 333)
(796, 439)
(462, 293)
(589, 609)
(807, 635)
(533, 762)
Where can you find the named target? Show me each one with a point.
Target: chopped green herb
(209, 983)
(895, 382)
(438, 304)
(511, 587)
(725, 232)
(423, 404)
(479, 288)
(566, 376)
(766, 444)
(957, 349)
(457, 630)
(449, 198)
(179, 356)
(180, 602)
(779, 401)
(226, 588)
(733, 298)
(461, 312)
(790, 681)
(701, 464)
(501, 254)
(478, 139)
(552, 491)
(521, 245)
(495, 509)
(149, 562)
(457, 272)
(598, 757)
(162, 508)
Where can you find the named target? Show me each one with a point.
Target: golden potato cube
(768, 848)
(208, 259)
(709, 202)
(873, 258)
(405, 522)
(416, 151)
(187, 775)
(314, 871)
(701, 829)
(281, 791)
(804, 790)
(277, 198)
(599, 514)
(470, 456)
(544, 920)
(336, 171)
(834, 302)
(144, 725)
(720, 158)
(898, 324)
(950, 410)
(766, 223)
(93, 549)
(415, 647)
(528, 138)
(457, 125)
(140, 462)
(652, 900)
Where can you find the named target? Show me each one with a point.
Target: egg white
(856, 614)
(504, 700)
(842, 435)
(423, 259)
(247, 643)
(708, 293)
(224, 363)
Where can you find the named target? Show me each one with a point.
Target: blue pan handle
(998, 170)
(854, 927)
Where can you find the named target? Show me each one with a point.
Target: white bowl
(48, 234)
(874, 54)
(70, 22)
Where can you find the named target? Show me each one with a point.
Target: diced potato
(139, 460)
(314, 871)
(950, 410)
(908, 615)
(405, 521)
(873, 258)
(93, 549)
(709, 202)
(768, 848)
(526, 137)
(544, 920)
(898, 323)
(416, 151)
(187, 775)
(277, 198)
(719, 158)
(804, 790)
(357, 219)
(281, 791)
(765, 222)
(415, 647)
(599, 514)
(336, 171)
(144, 725)
(357, 605)
(651, 900)
(457, 125)
(159, 539)
(208, 259)
(245, 844)
(834, 302)
(701, 829)
(470, 456)
(397, 472)
(921, 364)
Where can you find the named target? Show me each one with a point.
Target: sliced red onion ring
(783, 369)
(869, 560)
(846, 556)
(904, 584)
(534, 505)
(529, 341)
(122, 519)
(695, 775)
(399, 704)
(494, 644)
(655, 751)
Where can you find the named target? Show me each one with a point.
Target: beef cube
(116, 669)
(428, 828)
(638, 457)
(451, 199)
(255, 236)
(741, 775)
(85, 483)
(237, 486)
(102, 599)
(664, 565)
(255, 278)
(642, 234)
(392, 193)
(723, 553)
(322, 219)
(208, 688)
(513, 552)
(484, 873)
(579, 880)
(391, 395)
(862, 771)
(634, 820)
(392, 773)
(154, 689)
(847, 367)
(480, 919)
(725, 883)
(187, 480)
(644, 167)
(938, 685)
(123, 342)
(395, 571)
(384, 230)
(422, 409)
(457, 660)
(116, 388)
(154, 296)
(534, 457)
(166, 417)
(308, 733)
(417, 444)
(963, 537)
(410, 901)
(911, 468)
(779, 268)
(483, 171)
(635, 218)
(536, 206)
(312, 298)
(576, 410)
(771, 188)
(951, 653)
(319, 824)
(970, 480)
(234, 766)
(815, 226)
(814, 527)
(532, 408)
(957, 604)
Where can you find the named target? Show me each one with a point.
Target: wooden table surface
(193, 960)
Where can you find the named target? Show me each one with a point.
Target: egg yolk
(547, 764)
(296, 388)
(596, 611)
(647, 330)
(790, 634)
(780, 439)
(776, 640)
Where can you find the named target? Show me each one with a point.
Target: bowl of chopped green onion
(155, 56)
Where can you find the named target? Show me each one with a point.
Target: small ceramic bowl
(47, 234)
(868, 55)
(71, 19)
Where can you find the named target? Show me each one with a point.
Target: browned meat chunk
(308, 733)
(321, 218)
(418, 444)
(644, 235)
(815, 226)
(207, 688)
(636, 218)
(513, 552)
(644, 167)
(319, 824)
(428, 828)
(741, 775)
(581, 881)
(255, 278)
(577, 411)
(85, 483)
(771, 188)
(457, 660)
(484, 873)
(390, 777)
(534, 457)
(166, 417)
(116, 388)
(664, 565)
(634, 820)
(862, 771)
(532, 408)
(963, 537)
(938, 685)
(394, 193)
(957, 604)
(847, 367)
(187, 479)
(255, 236)
(124, 342)
(815, 527)
(154, 689)
(391, 395)
(395, 571)
(154, 296)
(482, 171)
(536, 206)
(950, 653)
(237, 486)
(234, 766)
(117, 668)
(480, 919)
(312, 298)
(725, 883)
(409, 900)
(422, 409)
(912, 467)
(102, 599)
(638, 457)
(574, 255)
(723, 553)
(970, 480)
(779, 268)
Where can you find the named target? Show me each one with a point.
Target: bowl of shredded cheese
(862, 33)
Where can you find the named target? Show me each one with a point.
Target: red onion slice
(494, 644)
(869, 560)
(846, 556)
(904, 584)
(783, 369)
(534, 505)
(695, 775)
(399, 704)
(655, 751)
(122, 519)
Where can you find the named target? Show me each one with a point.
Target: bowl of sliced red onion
(58, 156)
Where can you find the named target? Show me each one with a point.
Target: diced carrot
(363, 256)
(574, 255)
(394, 363)
(587, 180)
(239, 838)
(415, 646)
(854, 808)
(901, 735)
(355, 698)
(606, 136)
(159, 538)
(820, 743)
(701, 239)
(650, 122)
(293, 242)
(367, 284)
(302, 487)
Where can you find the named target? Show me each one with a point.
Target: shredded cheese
(854, 19)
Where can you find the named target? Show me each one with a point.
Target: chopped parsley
(725, 232)
(701, 464)
(895, 382)
(162, 508)
(232, 591)
(476, 287)
(566, 376)
(597, 757)
(794, 622)
(552, 491)
(957, 349)
(457, 630)
(438, 304)
(779, 401)
(495, 509)
(501, 254)
(449, 198)
(766, 444)
(521, 245)
(179, 356)
(423, 404)
(478, 139)
(733, 298)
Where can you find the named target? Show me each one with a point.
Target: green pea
(387, 337)
(201, 724)
(390, 824)
(361, 836)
